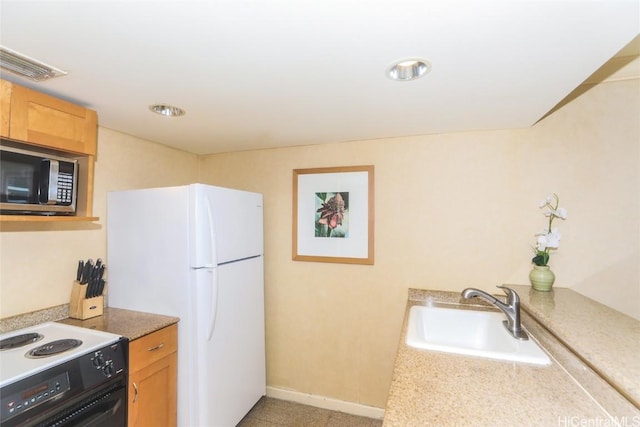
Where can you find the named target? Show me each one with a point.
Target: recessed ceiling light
(167, 110)
(408, 69)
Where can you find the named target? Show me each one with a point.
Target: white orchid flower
(561, 213)
(548, 240)
(546, 201)
(553, 239)
(541, 243)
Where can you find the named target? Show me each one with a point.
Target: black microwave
(33, 183)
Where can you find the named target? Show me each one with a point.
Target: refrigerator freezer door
(230, 362)
(148, 250)
(230, 219)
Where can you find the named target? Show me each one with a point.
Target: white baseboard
(326, 403)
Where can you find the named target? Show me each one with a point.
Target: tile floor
(270, 412)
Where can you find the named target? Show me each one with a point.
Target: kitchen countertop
(126, 323)
(51, 314)
(433, 388)
(607, 340)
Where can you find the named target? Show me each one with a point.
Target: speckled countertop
(127, 323)
(51, 314)
(440, 389)
(605, 339)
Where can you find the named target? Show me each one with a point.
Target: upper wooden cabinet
(5, 106)
(50, 122)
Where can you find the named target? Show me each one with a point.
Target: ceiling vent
(26, 67)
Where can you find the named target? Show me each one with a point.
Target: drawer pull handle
(158, 347)
(135, 392)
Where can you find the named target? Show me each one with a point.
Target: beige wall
(451, 211)
(38, 262)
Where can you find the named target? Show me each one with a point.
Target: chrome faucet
(511, 309)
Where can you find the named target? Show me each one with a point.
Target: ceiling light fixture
(408, 69)
(24, 66)
(167, 110)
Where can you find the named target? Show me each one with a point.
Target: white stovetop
(14, 365)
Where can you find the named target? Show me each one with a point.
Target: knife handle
(80, 269)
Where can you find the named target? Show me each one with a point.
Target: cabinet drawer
(153, 347)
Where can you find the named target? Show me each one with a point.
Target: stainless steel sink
(469, 332)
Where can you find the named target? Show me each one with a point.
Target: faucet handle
(512, 296)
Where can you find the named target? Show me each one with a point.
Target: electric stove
(55, 374)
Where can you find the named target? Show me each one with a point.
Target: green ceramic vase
(542, 278)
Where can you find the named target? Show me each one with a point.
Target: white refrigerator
(196, 252)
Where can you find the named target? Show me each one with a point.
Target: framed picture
(333, 217)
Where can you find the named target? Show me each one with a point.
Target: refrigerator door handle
(214, 275)
(212, 234)
(214, 303)
(214, 278)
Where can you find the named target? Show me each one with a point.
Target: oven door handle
(97, 418)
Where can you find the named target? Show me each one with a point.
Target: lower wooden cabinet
(153, 368)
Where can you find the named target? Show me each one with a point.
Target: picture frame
(333, 214)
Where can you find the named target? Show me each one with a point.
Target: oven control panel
(35, 395)
(104, 363)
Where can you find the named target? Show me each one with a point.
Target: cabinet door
(5, 107)
(152, 394)
(43, 120)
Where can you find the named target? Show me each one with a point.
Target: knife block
(81, 307)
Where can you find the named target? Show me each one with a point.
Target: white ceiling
(272, 73)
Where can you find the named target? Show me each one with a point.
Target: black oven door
(104, 407)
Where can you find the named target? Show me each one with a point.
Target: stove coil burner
(20, 340)
(52, 348)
